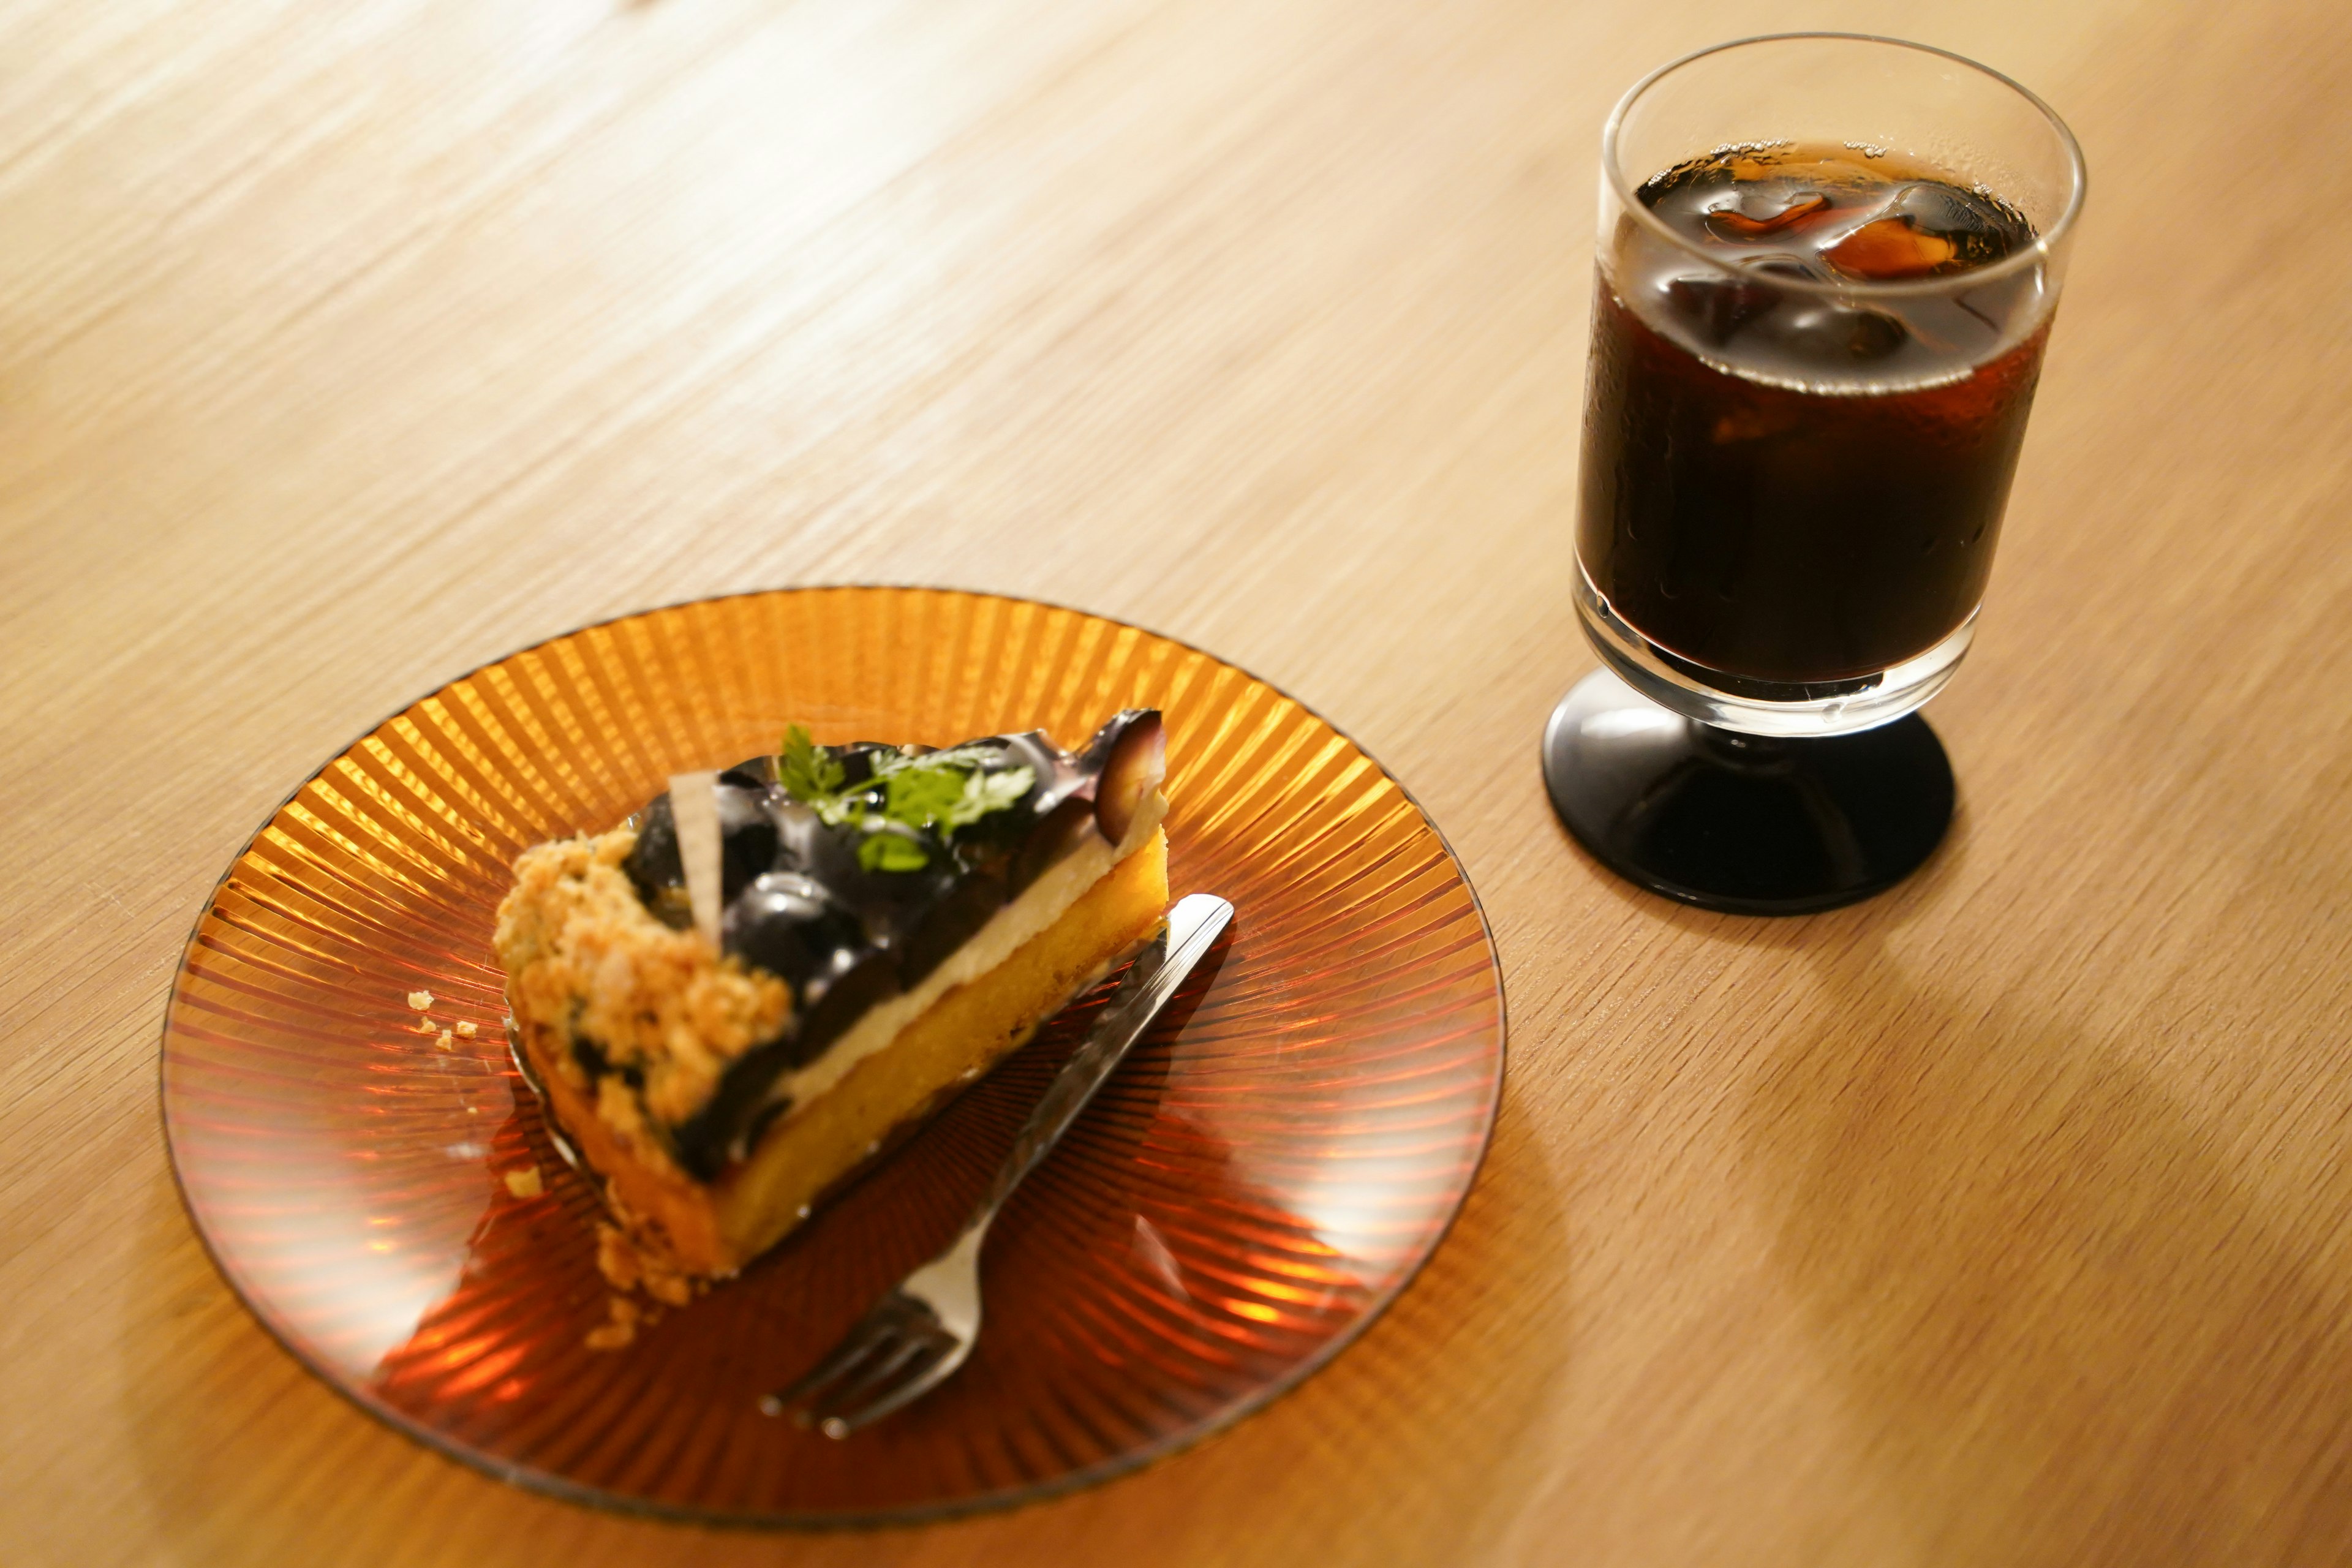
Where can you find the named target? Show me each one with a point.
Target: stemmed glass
(1826, 269)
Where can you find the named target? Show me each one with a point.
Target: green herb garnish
(807, 771)
(928, 793)
(887, 851)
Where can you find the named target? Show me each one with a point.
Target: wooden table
(2001, 1220)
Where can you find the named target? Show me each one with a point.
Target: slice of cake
(734, 1000)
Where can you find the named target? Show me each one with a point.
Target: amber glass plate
(1257, 1181)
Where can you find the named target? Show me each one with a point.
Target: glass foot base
(1751, 825)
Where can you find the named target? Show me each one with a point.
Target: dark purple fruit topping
(655, 869)
(840, 1000)
(747, 836)
(787, 924)
(748, 844)
(1050, 838)
(944, 924)
(1135, 759)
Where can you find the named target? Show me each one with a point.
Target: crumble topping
(663, 1008)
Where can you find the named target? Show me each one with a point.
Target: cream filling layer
(1040, 904)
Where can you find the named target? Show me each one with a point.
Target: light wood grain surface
(2003, 1220)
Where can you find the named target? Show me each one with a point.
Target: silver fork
(920, 1332)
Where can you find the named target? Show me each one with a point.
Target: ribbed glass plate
(1251, 1188)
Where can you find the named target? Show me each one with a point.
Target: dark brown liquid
(1788, 485)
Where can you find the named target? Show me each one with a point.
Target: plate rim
(1000, 1499)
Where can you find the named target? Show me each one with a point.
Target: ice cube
(1829, 333)
(1740, 224)
(1978, 227)
(1782, 264)
(1716, 305)
(1889, 248)
(1926, 229)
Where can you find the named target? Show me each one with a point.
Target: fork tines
(896, 1353)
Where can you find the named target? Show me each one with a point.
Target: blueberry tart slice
(736, 999)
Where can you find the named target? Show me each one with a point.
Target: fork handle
(1152, 980)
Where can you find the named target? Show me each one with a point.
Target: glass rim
(2040, 252)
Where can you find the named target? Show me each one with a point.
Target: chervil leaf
(928, 796)
(920, 796)
(933, 793)
(883, 850)
(984, 793)
(810, 773)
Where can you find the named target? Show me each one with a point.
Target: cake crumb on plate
(619, 1328)
(626, 1266)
